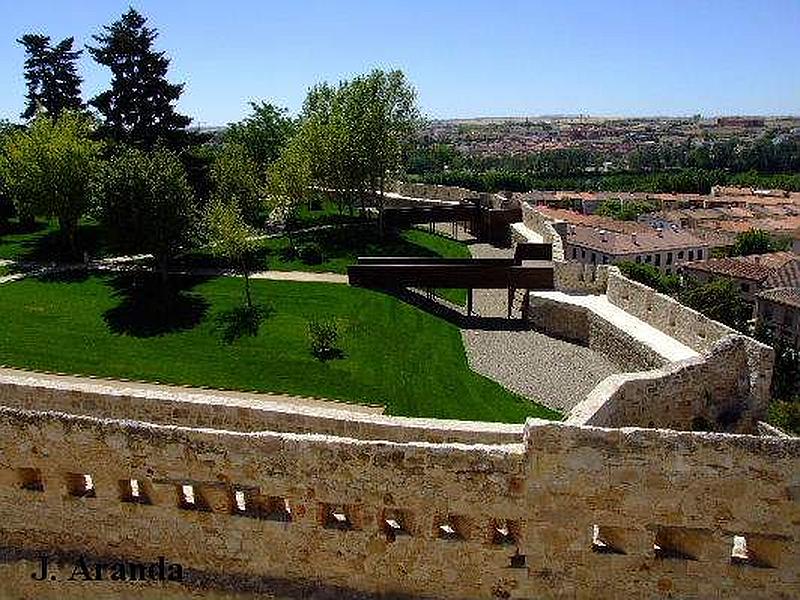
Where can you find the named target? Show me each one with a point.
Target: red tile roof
(757, 267)
(789, 296)
(643, 239)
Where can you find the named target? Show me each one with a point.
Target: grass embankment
(113, 326)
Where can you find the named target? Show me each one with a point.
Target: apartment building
(664, 248)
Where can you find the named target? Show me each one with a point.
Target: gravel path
(556, 373)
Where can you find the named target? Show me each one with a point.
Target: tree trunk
(246, 274)
(69, 233)
(163, 268)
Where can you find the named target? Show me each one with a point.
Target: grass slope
(395, 355)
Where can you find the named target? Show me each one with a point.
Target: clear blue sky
(466, 58)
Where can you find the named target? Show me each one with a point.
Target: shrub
(311, 253)
(786, 415)
(650, 276)
(323, 336)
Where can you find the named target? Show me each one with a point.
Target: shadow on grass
(78, 275)
(150, 308)
(43, 242)
(241, 321)
(329, 354)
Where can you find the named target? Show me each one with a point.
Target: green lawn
(323, 213)
(395, 355)
(342, 246)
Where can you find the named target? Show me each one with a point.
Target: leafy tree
(48, 169)
(232, 238)
(6, 203)
(139, 108)
(719, 299)
(289, 178)
(756, 241)
(386, 122)
(650, 276)
(263, 133)
(51, 75)
(359, 132)
(235, 178)
(146, 204)
(624, 211)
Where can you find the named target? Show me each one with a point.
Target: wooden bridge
(531, 268)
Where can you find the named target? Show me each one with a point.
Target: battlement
(553, 510)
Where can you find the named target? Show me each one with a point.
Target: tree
(235, 178)
(51, 75)
(289, 177)
(263, 133)
(719, 299)
(385, 119)
(231, 237)
(145, 202)
(359, 132)
(650, 276)
(756, 241)
(48, 169)
(139, 108)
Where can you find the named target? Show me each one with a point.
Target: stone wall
(692, 329)
(580, 325)
(169, 405)
(708, 393)
(662, 312)
(443, 520)
(434, 192)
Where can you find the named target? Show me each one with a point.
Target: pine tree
(139, 107)
(51, 75)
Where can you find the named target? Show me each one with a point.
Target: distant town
(482, 137)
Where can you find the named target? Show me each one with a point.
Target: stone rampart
(564, 512)
(693, 329)
(707, 393)
(167, 405)
(666, 314)
(580, 325)
(434, 192)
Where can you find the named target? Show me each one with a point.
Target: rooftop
(774, 266)
(789, 296)
(638, 239)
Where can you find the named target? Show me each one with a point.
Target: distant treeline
(690, 180)
(772, 161)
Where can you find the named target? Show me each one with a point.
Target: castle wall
(580, 325)
(434, 192)
(633, 393)
(167, 405)
(694, 330)
(690, 493)
(711, 392)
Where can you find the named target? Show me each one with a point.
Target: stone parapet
(565, 512)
